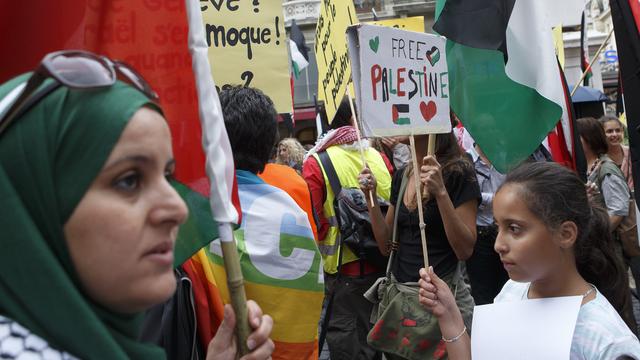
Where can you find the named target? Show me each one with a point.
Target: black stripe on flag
(296, 35)
(476, 23)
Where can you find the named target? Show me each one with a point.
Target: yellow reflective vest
(348, 165)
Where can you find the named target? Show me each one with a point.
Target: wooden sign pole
(235, 281)
(357, 126)
(586, 71)
(416, 178)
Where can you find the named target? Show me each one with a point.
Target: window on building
(306, 85)
(365, 6)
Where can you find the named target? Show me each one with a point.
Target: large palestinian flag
(503, 74)
(626, 23)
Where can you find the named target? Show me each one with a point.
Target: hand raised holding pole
(431, 176)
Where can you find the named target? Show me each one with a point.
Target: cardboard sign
(334, 70)
(527, 329)
(401, 81)
(248, 46)
(414, 23)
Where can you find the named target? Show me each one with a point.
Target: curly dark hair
(556, 194)
(252, 126)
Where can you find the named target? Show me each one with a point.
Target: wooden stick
(235, 282)
(586, 71)
(431, 145)
(416, 179)
(357, 126)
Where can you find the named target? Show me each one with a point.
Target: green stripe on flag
(296, 70)
(199, 229)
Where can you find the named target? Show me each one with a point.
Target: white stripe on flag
(297, 58)
(532, 58)
(215, 142)
(318, 125)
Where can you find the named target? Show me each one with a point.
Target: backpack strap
(327, 165)
(334, 181)
(394, 231)
(608, 167)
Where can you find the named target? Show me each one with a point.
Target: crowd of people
(90, 220)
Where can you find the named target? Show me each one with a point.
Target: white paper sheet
(527, 329)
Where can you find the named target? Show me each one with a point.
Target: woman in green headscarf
(88, 223)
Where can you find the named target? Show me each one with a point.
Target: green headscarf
(48, 159)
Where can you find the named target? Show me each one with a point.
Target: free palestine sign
(401, 81)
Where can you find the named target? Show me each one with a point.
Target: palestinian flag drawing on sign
(503, 74)
(400, 114)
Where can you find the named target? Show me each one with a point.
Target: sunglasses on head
(75, 69)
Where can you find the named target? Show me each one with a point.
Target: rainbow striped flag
(208, 302)
(281, 264)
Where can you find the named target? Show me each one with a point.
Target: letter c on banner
(262, 238)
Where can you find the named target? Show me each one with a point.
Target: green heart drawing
(433, 56)
(374, 43)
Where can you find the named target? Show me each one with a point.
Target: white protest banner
(401, 81)
(527, 329)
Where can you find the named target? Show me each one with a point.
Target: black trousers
(485, 270)
(349, 321)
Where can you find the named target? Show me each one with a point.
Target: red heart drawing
(428, 110)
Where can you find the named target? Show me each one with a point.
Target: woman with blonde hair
(619, 153)
(291, 153)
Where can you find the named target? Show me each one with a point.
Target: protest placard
(248, 46)
(401, 81)
(499, 330)
(334, 70)
(414, 23)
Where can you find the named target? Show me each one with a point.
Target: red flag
(563, 144)
(153, 38)
(635, 10)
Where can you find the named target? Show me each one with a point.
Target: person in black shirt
(450, 202)
(450, 205)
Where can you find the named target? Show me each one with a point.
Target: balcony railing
(303, 11)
